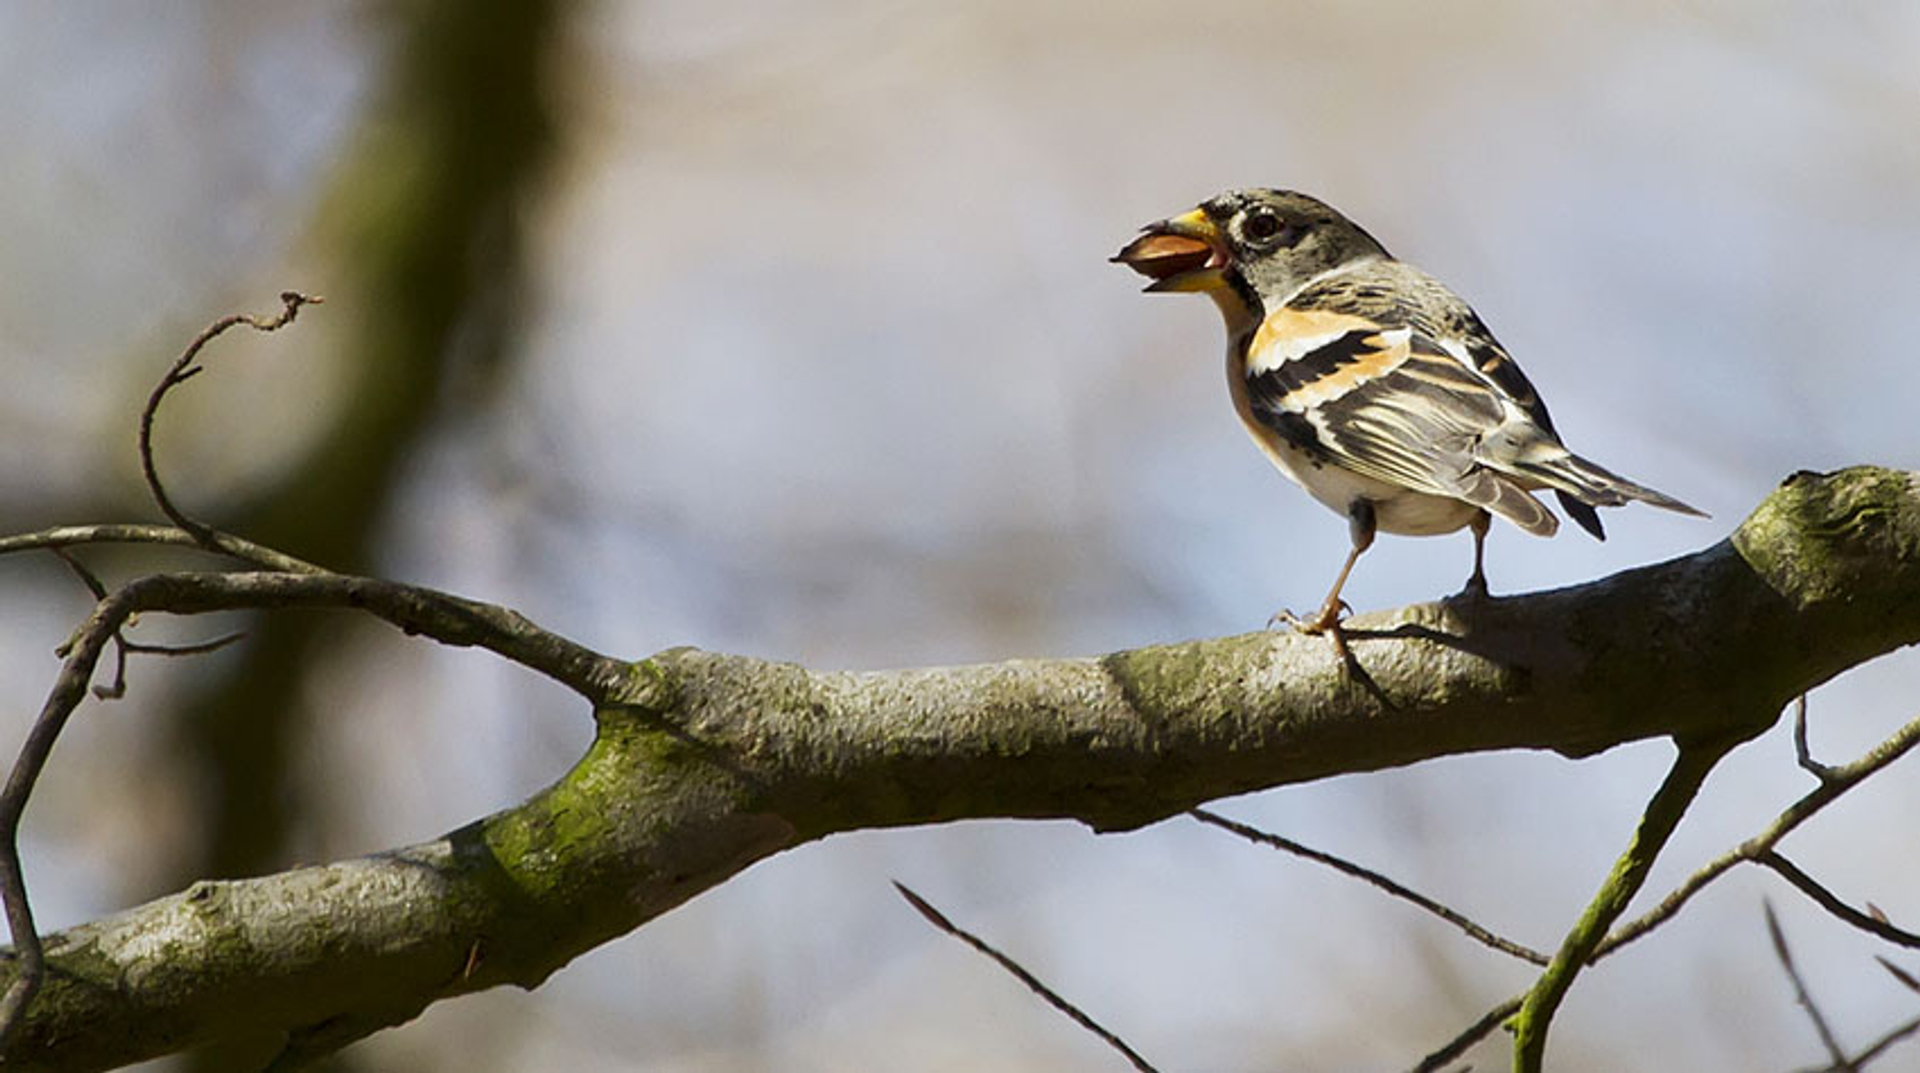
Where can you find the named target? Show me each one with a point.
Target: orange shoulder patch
(1291, 333)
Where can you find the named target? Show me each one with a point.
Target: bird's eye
(1261, 226)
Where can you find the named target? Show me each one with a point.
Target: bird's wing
(1353, 374)
(1462, 332)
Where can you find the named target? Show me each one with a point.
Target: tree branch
(704, 763)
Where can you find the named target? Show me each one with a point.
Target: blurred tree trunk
(427, 211)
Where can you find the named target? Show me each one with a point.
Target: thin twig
(184, 369)
(1832, 903)
(1457, 919)
(1802, 995)
(1907, 979)
(1878, 1047)
(122, 646)
(1475, 1032)
(197, 648)
(79, 569)
(66, 536)
(1801, 752)
(939, 920)
(118, 688)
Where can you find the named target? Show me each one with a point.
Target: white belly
(1395, 510)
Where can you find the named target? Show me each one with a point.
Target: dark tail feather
(1586, 517)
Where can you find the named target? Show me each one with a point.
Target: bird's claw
(1327, 622)
(1328, 618)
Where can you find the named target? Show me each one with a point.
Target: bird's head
(1250, 248)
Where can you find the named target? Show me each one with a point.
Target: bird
(1371, 384)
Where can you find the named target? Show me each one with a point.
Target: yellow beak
(1182, 254)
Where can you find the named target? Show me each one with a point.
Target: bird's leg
(1360, 527)
(1476, 586)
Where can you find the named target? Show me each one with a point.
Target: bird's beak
(1185, 253)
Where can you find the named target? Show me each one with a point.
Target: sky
(826, 363)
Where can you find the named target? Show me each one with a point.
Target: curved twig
(184, 369)
(233, 547)
(1801, 751)
(1831, 902)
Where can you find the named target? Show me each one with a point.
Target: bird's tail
(1582, 485)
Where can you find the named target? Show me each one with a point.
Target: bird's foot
(1327, 622)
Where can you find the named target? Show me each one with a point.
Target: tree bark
(711, 762)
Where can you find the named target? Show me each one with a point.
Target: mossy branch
(705, 763)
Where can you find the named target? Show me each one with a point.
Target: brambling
(1370, 384)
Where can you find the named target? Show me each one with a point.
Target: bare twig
(939, 920)
(1803, 996)
(122, 647)
(196, 648)
(1801, 752)
(1879, 1047)
(1832, 903)
(79, 569)
(118, 688)
(1906, 978)
(1459, 920)
(1474, 1033)
(1872, 1051)
(67, 536)
(184, 369)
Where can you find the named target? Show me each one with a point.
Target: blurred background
(786, 329)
